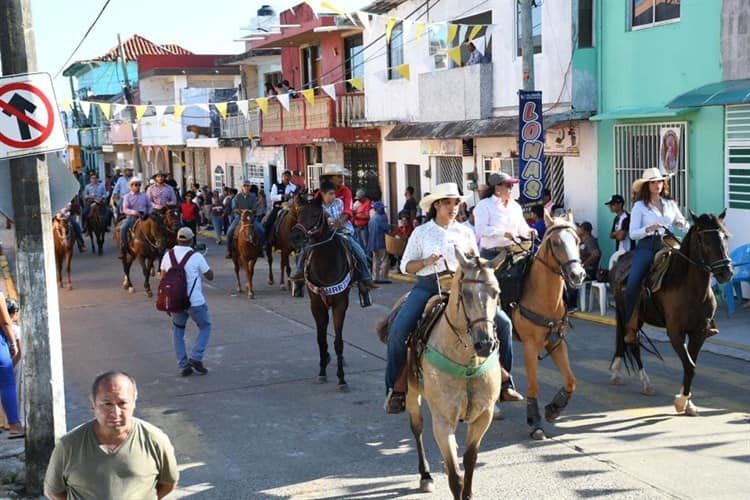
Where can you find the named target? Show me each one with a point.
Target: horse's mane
(560, 223)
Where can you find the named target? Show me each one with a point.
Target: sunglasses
(136, 184)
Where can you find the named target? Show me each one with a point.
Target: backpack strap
(173, 259)
(184, 259)
(182, 265)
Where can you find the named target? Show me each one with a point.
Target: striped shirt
(334, 211)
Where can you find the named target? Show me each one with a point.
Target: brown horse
(149, 239)
(96, 223)
(684, 304)
(540, 317)
(246, 248)
(279, 238)
(64, 238)
(460, 373)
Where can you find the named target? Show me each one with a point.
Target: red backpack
(172, 294)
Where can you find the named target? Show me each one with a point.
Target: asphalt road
(256, 427)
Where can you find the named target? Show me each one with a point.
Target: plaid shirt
(334, 211)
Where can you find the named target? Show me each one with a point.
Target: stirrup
(364, 298)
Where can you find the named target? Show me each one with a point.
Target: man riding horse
(161, 194)
(122, 187)
(135, 204)
(94, 191)
(281, 192)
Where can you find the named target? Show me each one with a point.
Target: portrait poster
(669, 150)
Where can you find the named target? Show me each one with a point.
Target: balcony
(92, 138)
(456, 94)
(239, 126)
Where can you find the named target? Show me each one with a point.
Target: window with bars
(645, 145)
(449, 169)
(738, 156)
(554, 178)
(254, 173)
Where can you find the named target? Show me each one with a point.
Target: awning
(636, 113)
(506, 126)
(714, 94)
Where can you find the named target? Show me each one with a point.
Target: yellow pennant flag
(262, 104)
(140, 110)
(357, 83)
(455, 54)
(403, 70)
(474, 32)
(221, 107)
(309, 95)
(327, 5)
(420, 29)
(66, 103)
(178, 109)
(105, 107)
(452, 31)
(389, 28)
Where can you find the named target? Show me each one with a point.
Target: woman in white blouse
(653, 213)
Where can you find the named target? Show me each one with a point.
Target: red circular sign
(45, 130)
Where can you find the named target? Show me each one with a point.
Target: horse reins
(709, 268)
(562, 267)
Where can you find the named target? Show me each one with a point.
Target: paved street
(256, 427)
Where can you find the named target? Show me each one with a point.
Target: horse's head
(171, 217)
(312, 221)
(707, 243)
(247, 216)
(562, 244)
(479, 292)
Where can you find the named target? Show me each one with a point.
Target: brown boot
(395, 402)
(369, 284)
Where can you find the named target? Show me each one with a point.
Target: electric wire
(83, 39)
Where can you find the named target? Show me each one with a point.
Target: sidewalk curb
(402, 277)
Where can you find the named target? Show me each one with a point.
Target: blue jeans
(356, 249)
(232, 228)
(77, 231)
(503, 329)
(129, 221)
(199, 314)
(643, 257)
(362, 234)
(260, 229)
(404, 323)
(8, 394)
(216, 221)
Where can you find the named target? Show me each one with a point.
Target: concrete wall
(106, 78)
(459, 94)
(158, 90)
(735, 39)
(224, 157)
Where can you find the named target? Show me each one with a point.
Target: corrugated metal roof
(136, 46)
(382, 6)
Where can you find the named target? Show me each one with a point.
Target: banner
(669, 150)
(530, 145)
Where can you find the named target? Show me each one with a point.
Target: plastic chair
(601, 288)
(741, 263)
(582, 302)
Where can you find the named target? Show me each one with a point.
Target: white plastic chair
(601, 288)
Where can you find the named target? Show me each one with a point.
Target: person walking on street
(196, 268)
(115, 455)
(217, 216)
(9, 355)
(245, 200)
(362, 208)
(135, 204)
(410, 205)
(377, 228)
(190, 213)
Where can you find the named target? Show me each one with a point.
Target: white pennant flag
(243, 107)
(203, 106)
(330, 90)
(462, 33)
(284, 100)
(364, 19)
(117, 109)
(159, 109)
(135, 126)
(85, 108)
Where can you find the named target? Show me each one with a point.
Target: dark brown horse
(685, 304)
(149, 239)
(64, 238)
(246, 248)
(328, 276)
(280, 238)
(96, 222)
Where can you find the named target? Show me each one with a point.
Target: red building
(317, 51)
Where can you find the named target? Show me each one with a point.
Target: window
(272, 79)
(354, 59)
(449, 169)
(585, 23)
(638, 146)
(253, 172)
(219, 177)
(482, 42)
(396, 51)
(536, 26)
(438, 41)
(644, 13)
(738, 156)
(310, 66)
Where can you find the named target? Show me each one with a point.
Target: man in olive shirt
(114, 456)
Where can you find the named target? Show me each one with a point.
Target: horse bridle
(316, 229)
(562, 266)
(469, 322)
(711, 267)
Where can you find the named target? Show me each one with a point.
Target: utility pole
(35, 268)
(129, 100)
(527, 44)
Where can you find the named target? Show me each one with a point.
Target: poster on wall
(669, 150)
(530, 146)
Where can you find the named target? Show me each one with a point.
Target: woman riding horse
(430, 250)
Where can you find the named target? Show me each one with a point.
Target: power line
(83, 39)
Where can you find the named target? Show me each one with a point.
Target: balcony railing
(241, 126)
(324, 113)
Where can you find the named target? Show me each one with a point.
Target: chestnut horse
(97, 225)
(149, 239)
(279, 238)
(64, 238)
(246, 248)
(540, 318)
(685, 304)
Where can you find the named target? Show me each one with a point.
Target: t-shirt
(195, 268)
(622, 223)
(83, 470)
(589, 245)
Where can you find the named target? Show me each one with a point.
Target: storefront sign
(447, 147)
(530, 145)
(562, 140)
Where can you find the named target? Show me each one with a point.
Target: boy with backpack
(180, 295)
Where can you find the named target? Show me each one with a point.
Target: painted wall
(735, 39)
(106, 78)
(224, 157)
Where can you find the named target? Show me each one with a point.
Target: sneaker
(186, 372)
(197, 366)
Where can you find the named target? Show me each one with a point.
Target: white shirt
(623, 245)
(492, 219)
(289, 189)
(195, 268)
(643, 216)
(430, 238)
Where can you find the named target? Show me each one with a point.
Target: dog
(199, 131)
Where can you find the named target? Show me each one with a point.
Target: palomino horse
(684, 304)
(149, 239)
(328, 275)
(64, 238)
(540, 317)
(279, 237)
(246, 248)
(460, 372)
(97, 225)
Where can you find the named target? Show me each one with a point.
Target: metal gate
(362, 161)
(555, 178)
(449, 169)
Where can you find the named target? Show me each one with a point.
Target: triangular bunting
(135, 126)
(284, 100)
(221, 107)
(474, 32)
(330, 90)
(66, 104)
(85, 108)
(262, 104)
(105, 108)
(309, 95)
(364, 19)
(455, 55)
(357, 83)
(462, 29)
(118, 108)
(178, 109)
(403, 70)
(389, 28)
(243, 107)
(452, 31)
(203, 106)
(159, 110)
(327, 5)
(140, 110)
(420, 30)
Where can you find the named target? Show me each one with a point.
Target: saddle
(275, 228)
(655, 276)
(511, 276)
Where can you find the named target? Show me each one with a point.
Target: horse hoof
(251, 296)
(270, 282)
(320, 379)
(131, 289)
(149, 293)
(551, 413)
(427, 485)
(70, 287)
(691, 410)
(648, 391)
(343, 387)
(283, 286)
(615, 380)
(538, 435)
(681, 402)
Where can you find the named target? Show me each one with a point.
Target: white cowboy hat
(650, 174)
(334, 169)
(445, 190)
(135, 179)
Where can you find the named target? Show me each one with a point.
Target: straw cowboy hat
(650, 174)
(445, 190)
(333, 169)
(139, 180)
